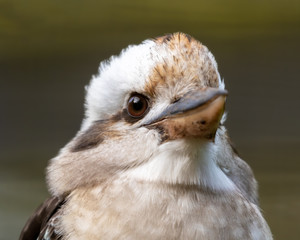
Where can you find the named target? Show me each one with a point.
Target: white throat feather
(184, 161)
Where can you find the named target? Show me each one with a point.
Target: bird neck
(188, 161)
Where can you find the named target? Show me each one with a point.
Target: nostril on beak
(176, 99)
(203, 122)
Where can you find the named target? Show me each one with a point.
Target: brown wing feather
(39, 219)
(50, 230)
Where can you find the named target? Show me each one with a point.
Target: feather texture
(156, 176)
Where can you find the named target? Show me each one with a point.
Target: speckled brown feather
(187, 52)
(39, 219)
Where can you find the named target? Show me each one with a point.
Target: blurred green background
(50, 49)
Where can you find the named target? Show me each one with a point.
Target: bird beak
(196, 114)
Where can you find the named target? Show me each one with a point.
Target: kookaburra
(152, 159)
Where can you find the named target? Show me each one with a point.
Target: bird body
(152, 159)
(143, 210)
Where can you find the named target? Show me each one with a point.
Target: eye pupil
(137, 105)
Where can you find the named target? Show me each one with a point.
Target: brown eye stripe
(92, 137)
(99, 130)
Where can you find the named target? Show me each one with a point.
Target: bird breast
(127, 209)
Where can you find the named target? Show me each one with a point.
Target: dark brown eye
(137, 105)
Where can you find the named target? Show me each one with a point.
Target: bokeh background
(50, 49)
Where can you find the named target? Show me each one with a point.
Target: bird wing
(42, 223)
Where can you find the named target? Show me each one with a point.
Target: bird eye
(137, 105)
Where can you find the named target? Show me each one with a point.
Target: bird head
(152, 114)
